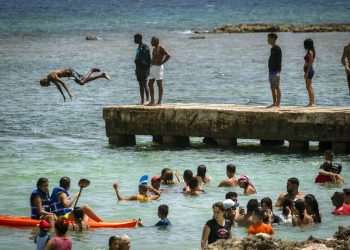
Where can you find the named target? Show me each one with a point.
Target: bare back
(58, 73)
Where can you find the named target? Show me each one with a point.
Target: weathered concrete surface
(296, 124)
(272, 27)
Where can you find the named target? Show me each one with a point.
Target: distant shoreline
(272, 27)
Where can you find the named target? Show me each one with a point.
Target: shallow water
(42, 136)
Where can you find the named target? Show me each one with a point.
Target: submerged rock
(271, 27)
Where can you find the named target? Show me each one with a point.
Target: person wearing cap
(155, 182)
(232, 180)
(40, 202)
(43, 236)
(292, 192)
(245, 183)
(231, 209)
(333, 173)
(142, 196)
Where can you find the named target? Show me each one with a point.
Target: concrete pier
(223, 124)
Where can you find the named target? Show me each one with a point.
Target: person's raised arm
(205, 235)
(120, 197)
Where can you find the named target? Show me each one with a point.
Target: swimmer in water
(141, 197)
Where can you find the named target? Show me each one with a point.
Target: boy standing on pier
(275, 65)
(345, 60)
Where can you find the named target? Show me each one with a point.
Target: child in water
(258, 225)
(43, 236)
(163, 211)
(60, 241)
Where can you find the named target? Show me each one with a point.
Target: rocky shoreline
(339, 241)
(266, 27)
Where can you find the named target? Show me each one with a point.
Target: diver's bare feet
(271, 106)
(95, 70)
(310, 105)
(151, 104)
(105, 75)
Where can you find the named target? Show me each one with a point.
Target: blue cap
(144, 180)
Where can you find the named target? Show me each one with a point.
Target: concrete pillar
(271, 143)
(122, 140)
(210, 141)
(300, 146)
(226, 142)
(340, 147)
(157, 139)
(324, 145)
(171, 140)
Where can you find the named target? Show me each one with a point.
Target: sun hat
(228, 203)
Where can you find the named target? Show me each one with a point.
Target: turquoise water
(42, 136)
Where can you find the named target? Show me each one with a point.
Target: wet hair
(328, 155)
(61, 226)
(267, 201)
(300, 207)
(286, 203)
(252, 205)
(273, 35)
(44, 82)
(78, 214)
(231, 168)
(164, 170)
(193, 183)
(219, 205)
(326, 166)
(309, 46)
(311, 201)
(163, 210)
(138, 36)
(114, 238)
(337, 167)
(346, 191)
(201, 171)
(339, 197)
(65, 182)
(294, 181)
(259, 213)
(41, 181)
(188, 175)
(229, 195)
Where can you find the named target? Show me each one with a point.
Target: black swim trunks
(78, 78)
(142, 74)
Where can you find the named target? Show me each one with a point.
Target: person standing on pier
(159, 57)
(275, 65)
(345, 60)
(309, 70)
(143, 63)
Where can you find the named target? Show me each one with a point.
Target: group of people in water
(297, 209)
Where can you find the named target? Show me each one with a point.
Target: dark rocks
(271, 27)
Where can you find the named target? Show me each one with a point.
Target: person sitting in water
(60, 241)
(346, 196)
(155, 182)
(201, 176)
(232, 195)
(299, 215)
(246, 219)
(232, 180)
(117, 242)
(217, 227)
(245, 183)
(333, 174)
(163, 211)
(61, 202)
(194, 188)
(340, 207)
(230, 210)
(323, 176)
(286, 216)
(40, 202)
(80, 220)
(292, 192)
(258, 224)
(269, 216)
(56, 75)
(142, 196)
(311, 206)
(188, 175)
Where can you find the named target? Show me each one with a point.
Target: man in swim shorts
(159, 57)
(56, 75)
(275, 65)
(143, 63)
(292, 192)
(345, 60)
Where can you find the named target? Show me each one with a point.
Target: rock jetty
(266, 27)
(339, 241)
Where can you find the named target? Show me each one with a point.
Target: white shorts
(156, 72)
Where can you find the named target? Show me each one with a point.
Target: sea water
(42, 136)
